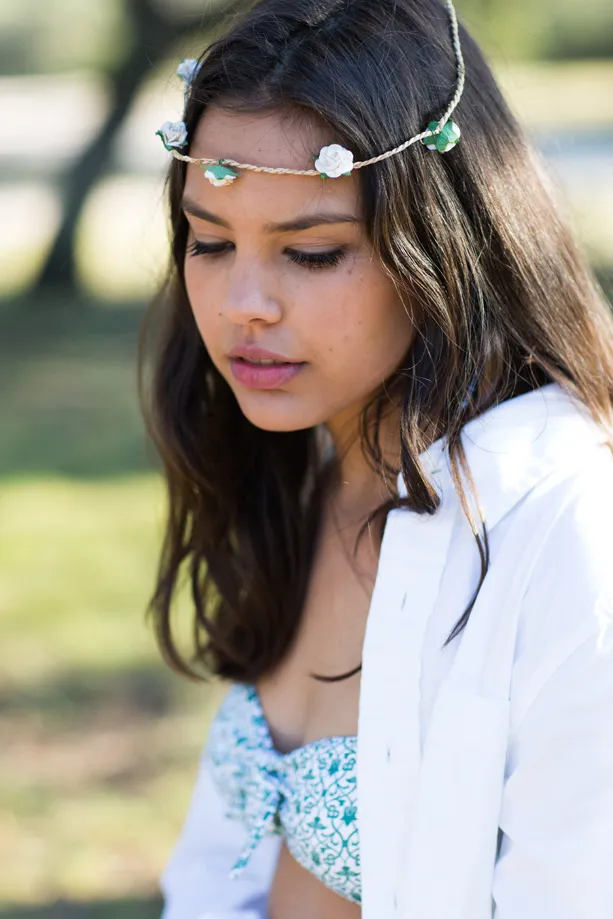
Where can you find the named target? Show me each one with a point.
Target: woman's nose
(249, 293)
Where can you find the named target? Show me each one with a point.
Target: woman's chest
(328, 643)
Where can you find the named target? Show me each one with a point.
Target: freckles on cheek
(201, 295)
(198, 302)
(191, 285)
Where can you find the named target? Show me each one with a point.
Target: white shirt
(485, 769)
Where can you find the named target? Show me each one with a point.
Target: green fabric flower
(219, 174)
(445, 139)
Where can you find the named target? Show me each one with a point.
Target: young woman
(382, 394)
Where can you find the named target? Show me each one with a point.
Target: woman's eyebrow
(299, 223)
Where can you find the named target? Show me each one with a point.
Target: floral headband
(332, 161)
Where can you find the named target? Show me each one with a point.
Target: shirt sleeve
(556, 843)
(195, 881)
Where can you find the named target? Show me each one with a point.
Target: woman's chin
(276, 411)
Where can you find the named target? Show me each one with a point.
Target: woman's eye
(317, 259)
(198, 248)
(311, 260)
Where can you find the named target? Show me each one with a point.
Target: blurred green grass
(99, 741)
(68, 383)
(64, 909)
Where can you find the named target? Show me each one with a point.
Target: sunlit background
(98, 740)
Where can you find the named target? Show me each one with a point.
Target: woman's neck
(359, 489)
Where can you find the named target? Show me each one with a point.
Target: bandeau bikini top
(308, 795)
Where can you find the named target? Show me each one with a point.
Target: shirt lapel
(411, 563)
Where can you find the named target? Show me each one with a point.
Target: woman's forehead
(280, 138)
(271, 139)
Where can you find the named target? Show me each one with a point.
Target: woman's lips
(264, 376)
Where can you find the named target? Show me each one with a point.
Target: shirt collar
(512, 446)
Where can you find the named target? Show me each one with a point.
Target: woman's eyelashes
(313, 260)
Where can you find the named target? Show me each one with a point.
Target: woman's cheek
(194, 277)
(202, 301)
(200, 287)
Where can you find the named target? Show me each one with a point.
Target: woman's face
(315, 295)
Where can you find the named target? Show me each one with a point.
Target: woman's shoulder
(576, 504)
(568, 600)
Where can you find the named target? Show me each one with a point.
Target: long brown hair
(507, 304)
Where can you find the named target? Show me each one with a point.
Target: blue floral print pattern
(308, 795)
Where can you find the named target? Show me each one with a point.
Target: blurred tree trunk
(154, 30)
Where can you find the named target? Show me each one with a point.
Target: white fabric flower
(188, 69)
(334, 161)
(173, 134)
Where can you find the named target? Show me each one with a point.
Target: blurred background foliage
(99, 742)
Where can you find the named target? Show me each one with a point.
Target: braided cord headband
(334, 160)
